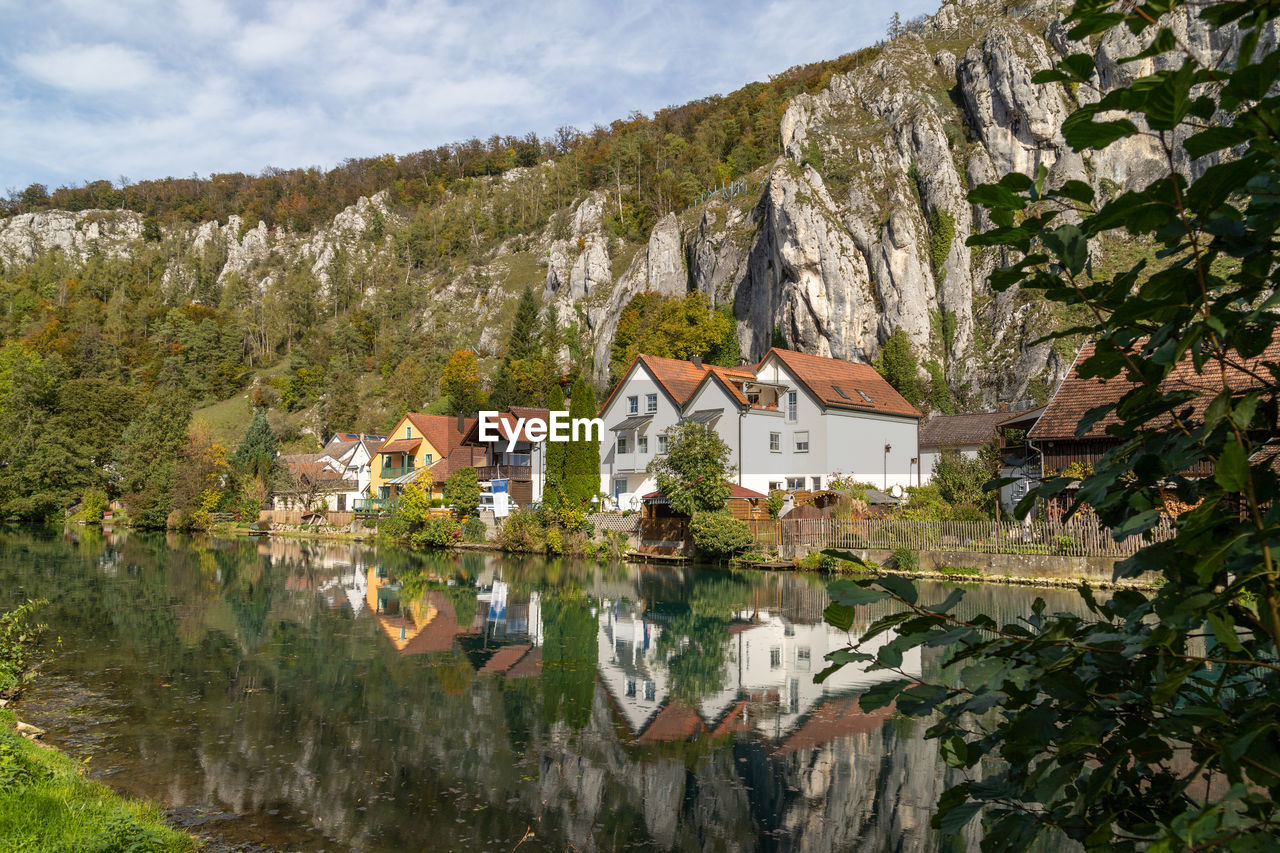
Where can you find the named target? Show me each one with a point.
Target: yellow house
(418, 443)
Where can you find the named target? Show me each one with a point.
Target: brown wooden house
(1063, 452)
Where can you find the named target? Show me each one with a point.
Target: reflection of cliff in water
(382, 699)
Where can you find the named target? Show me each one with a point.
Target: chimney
(461, 422)
(1002, 407)
(697, 361)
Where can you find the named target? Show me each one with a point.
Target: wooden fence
(294, 517)
(1072, 539)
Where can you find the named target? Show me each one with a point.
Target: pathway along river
(312, 696)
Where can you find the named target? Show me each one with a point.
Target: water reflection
(373, 699)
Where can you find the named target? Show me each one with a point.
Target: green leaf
(900, 587)
(955, 752)
(1232, 470)
(1081, 131)
(1224, 631)
(839, 616)
(882, 694)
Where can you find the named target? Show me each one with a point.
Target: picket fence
(1076, 538)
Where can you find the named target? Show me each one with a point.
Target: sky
(137, 89)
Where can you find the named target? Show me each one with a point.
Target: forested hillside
(823, 210)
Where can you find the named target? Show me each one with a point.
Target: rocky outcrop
(28, 235)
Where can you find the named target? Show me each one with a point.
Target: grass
(48, 805)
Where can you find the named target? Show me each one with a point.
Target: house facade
(418, 443)
(791, 422)
(523, 466)
(355, 452)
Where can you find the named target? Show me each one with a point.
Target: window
(651, 402)
(794, 704)
(642, 443)
(662, 443)
(407, 433)
(774, 485)
(631, 687)
(429, 459)
(802, 441)
(650, 691)
(775, 442)
(791, 405)
(342, 503)
(803, 658)
(794, 483)
(753, 398)
(619, 486)
(622, 444)
(633, 405)
(775, 657)
(817, 483)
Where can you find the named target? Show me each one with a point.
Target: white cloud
(89, 69)
(148, 88)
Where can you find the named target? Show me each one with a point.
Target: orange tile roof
(679, 377)
(440, 430)
(676, 721)
(504, 658)
(1077, 394)
(834, 718)
(400, 445)
(507, 424)
(827, 377)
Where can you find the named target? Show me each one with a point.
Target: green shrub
(967, 571)
(461, 491)
(522, 533)
(718, 534)
(93, 506)
(19, 632)
(906, 560)
(438, 533)
(775, 502)
(942, 228)
(474, 530)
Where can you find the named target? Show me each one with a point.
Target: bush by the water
(473, 530)
(19, 631)
(906, 560)
(718, 534)
(438, 533)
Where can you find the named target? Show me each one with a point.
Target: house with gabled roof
(791, 421)
(517, 457)
(419, 443)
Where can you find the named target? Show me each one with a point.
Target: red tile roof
(402, 445)
(676, 721)
(834, 718)
(440, 430)
(504, 658)
(1077, 395)
(507, 424)
(827, 377)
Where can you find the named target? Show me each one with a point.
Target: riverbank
(48, 804)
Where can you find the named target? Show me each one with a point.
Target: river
(313, 696)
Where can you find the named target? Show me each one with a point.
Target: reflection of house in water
(422, 626)
(768, 684)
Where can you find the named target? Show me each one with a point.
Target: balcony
(505, 472)
(390, 472)
(373, 506)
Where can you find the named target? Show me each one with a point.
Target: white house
(791, 422)
(963, 434)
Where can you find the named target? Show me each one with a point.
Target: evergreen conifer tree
(557, 451)
(523, 341)
(256, 453)
(582, 460)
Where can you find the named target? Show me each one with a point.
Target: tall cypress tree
(582, 463)
(557, 452)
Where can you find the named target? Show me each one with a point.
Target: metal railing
(508, 472)
(390, 472)
(371, 506)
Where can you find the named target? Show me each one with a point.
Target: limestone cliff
(857, 229)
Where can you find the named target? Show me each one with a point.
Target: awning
(704, 416)
(633, 422)
(403, 445)
(403, 479)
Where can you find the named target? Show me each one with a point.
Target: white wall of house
(622, 472)
(793, 447)
(929, 457)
